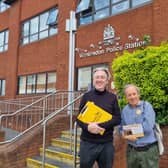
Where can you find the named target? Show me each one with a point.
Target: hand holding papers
(93, 113)
(133, 131)
(94, 128)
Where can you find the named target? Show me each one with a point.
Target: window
(3, 6)
(51, 81)
(31, 81)
(88, 11)
(9, 2)
(139, 2)
(41, 83)
(4, 38)
(101, 14)
(37, 83)
(52, 18)
(120, 7)
(85, 76)
(83, 5)
(40, 27)
(2, 87)
(99, 4)
(22, 85)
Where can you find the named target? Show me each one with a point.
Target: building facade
(38, 40)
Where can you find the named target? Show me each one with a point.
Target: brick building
(35, 40)
(34, 43)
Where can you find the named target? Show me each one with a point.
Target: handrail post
(71, 118)
(44, 142)
(0, 122)
(75, 143)
(44, 107)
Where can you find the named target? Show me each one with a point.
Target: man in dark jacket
(95, 146)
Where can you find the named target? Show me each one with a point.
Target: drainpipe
(71, 28)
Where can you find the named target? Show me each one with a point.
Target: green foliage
(148, 69)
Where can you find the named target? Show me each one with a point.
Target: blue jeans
(91, 152)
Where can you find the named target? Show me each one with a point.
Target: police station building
(55, 44)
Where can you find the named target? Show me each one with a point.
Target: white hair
(131, 85)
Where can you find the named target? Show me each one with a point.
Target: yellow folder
(94, 113)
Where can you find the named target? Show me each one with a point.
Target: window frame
(85, 13)
(33, 87)
(28, 37)
(5, 40)
(2, 87)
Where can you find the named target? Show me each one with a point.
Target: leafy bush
(148, 69)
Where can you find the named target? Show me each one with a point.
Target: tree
(148, 69)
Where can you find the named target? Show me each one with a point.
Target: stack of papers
(134, 130)
(94, 113)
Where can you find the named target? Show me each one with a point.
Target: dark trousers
(91, 152)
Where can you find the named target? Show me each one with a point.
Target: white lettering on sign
(112, 49)
(134, 45)
(111, 43)
(91, 53)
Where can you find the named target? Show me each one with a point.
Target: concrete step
(67, 134)
(36, 162)
(64, 143)
(59, 154)
(9, 133)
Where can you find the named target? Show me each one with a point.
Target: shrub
(148, 69)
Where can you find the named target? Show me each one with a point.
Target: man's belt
(141, 148)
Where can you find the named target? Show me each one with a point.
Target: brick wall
(14, 155)
(51, 54)
(120, 149)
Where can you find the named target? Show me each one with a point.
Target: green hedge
(148, 69)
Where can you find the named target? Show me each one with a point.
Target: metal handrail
(20, 110)
(57, 107)
(49, 117)
(42, 112)
(12, 105)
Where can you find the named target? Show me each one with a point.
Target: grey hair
(103, 69)
(132, 85)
